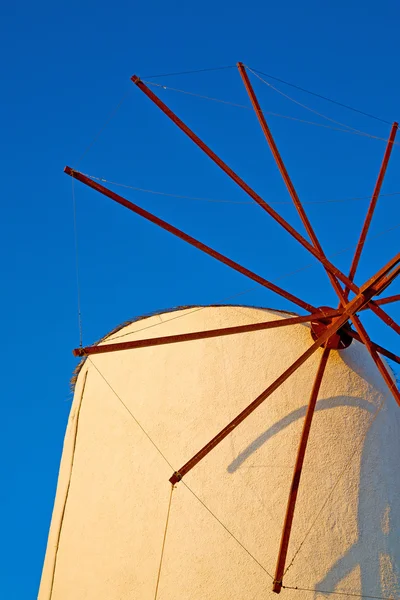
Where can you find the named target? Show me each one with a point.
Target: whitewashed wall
(112, 496)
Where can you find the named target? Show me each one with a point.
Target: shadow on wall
(377, 549)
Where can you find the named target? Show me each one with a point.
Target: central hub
(339, 340)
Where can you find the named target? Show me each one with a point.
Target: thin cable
(291, 118)
(184, 483)
(305, 106)
(132, 415)
(179, 316)
(78, 287)
(219, 201)
(358, 447)
(226, 529)
(106, 122)
(288, 587)
(273, 114)
(297, 87)
(189, 72)
(163, 542)
(171, 89)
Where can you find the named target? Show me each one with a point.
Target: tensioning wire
(220, 201)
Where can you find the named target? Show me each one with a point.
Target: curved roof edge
(154, 313)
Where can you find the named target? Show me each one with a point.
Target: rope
(106, 122)
(291, 118)
(297, 87)
(78, 287)
(227, 530)
(171, 89)
(132, 415)
(213, 200)
(163, 542)
(357, 131)
(189, 72)
(288, 587)
(358, 447)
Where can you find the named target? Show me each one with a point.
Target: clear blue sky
(64, 68)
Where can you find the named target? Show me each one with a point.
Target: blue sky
(64, 69)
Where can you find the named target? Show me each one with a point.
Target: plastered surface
(111, 503)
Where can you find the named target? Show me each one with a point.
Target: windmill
(332, 329)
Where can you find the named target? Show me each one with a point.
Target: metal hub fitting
(339, 340)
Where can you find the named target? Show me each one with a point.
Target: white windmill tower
(185, 473)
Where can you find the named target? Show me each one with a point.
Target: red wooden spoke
(382, 314)
(388, 300)
(242, 184)
(373, 202)
(386, 276)
(283, 171)
(375, 346)
(303, 216)
(377, 359)
(374, 306)
(277, 156)
(360, 300)
(189, 239)
(385, 317)
(291, 505)
(202, 335)
(382, 279)
(186, 337)
(392, 272)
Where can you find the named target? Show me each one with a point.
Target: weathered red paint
(202, 335)
(372, 205)
(283, 171)
(301, 451)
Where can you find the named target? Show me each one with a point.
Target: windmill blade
(372, 205)
(301, 451)
(379, 282)
(377, 359)
(285, 175)
(376, 346)
(388, 300)
(202, 335)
